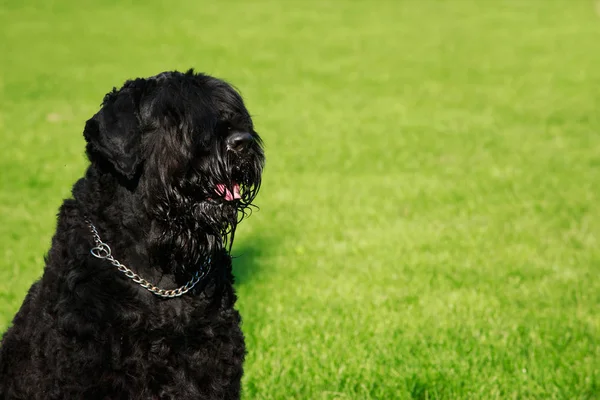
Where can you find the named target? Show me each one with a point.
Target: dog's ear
(113, 134)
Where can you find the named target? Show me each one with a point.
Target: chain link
(103, 252)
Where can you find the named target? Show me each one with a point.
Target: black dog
(175, 165)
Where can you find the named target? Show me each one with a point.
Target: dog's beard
(196, 214)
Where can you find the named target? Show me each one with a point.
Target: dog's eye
(225, 127)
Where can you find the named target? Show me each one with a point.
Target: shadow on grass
(247, 261)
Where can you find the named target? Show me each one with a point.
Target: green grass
(430, 214)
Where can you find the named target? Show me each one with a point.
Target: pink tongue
(222, 189)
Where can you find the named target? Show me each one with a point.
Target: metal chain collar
(103, 252)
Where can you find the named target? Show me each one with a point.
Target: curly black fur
(159, 151)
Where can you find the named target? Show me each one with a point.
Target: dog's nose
(239, 140)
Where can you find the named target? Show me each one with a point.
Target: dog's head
(185, 147)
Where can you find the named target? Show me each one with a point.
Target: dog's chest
(182, 353)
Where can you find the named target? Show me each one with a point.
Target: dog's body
(175, 161)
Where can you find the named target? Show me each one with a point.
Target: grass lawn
(430, 214)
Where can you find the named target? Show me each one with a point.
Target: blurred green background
(430, 213)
